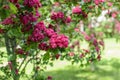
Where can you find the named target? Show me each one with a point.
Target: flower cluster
(97, 2)
(77, 10)
(32, 3)
(60, 41)
(27, 18)
(8, 21)
(38, 32)
(57, 15)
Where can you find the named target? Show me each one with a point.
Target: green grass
(107, 69)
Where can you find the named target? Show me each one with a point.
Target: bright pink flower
(32, 3)
(40, 26)
(36, 36)
(37, 13)
(60, 15)
(57, 15)
(7, 21)
(54, 16)
(68, 19)
(60, 41)
(27, 18)
(50, 32)
(96, 2)
(76, 10)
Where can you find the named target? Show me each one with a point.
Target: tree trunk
(10, 47)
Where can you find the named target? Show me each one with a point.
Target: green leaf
(46, 56)
(13, 8)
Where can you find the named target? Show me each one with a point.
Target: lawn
(107, 69)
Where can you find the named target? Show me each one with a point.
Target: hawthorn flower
(68, 19)
(76, 10)
(60, 41)
(32, 3)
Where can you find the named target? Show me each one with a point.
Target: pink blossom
(95, 42)
(60, 15)
(7, 21)
(37, 13)
(68, 19)
(88, 38)
(50, 32)
(76, 10)
(57, 15)
(32, 3)
(40, 26)
(114, 14)
(96, 2)
(27, 18)
(60, 41)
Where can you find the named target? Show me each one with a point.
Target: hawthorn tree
(40, 32)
